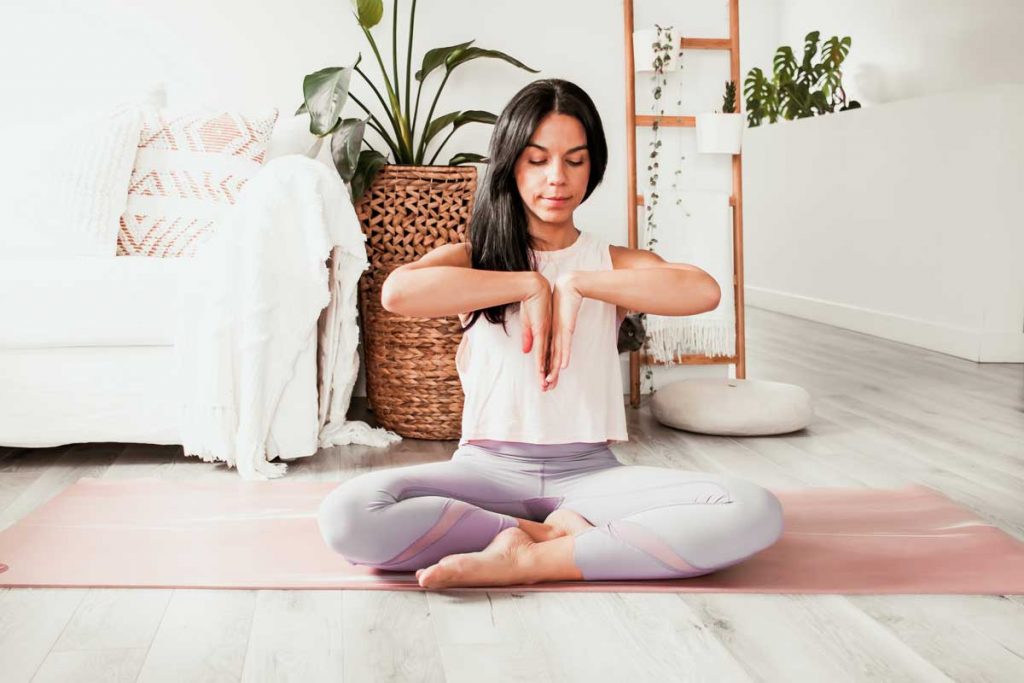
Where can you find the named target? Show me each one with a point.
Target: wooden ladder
(634, 121)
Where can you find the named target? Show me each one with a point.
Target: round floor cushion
(732, 407)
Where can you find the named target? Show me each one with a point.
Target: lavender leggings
(650, 522)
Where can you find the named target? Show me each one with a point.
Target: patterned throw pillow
(189, 169)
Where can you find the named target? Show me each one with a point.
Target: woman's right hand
(535, 315)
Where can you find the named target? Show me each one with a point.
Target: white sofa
(81, 360)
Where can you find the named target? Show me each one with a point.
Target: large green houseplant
(407, 206)
(802, 89)
(326, 92)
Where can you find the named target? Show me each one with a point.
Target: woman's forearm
(439, 291)
(659, 291)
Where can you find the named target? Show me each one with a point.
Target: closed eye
(571, 163)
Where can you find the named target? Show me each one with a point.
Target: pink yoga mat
(157, 533)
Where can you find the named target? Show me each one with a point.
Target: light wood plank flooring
(887, 415)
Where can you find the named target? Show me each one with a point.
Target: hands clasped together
(549, 319)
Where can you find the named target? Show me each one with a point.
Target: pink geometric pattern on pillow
(189, 169)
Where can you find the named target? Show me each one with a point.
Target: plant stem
(402, 131)
(430, 114)
(384, 106)
(416, 113)
(408, 68)
(438, 150)
(375, 124)
(394, 51)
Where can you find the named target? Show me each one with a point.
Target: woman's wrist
(572, 280)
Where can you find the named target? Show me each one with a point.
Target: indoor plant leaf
(325, 92)
(369, 164)
(436, 57)
(368, 12)
(467, 157)
(346, 140)
(470, 53)
(459, 119)
(437, 124)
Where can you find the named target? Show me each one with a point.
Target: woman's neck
(551, 237)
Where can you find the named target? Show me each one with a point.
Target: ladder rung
(705, 43)
(678, 121)
(640, 200)
(688, 359)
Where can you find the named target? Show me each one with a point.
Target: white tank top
(503, 397)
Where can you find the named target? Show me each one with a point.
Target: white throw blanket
(252, 306)
(698, 231)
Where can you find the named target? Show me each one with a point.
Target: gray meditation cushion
(732, 407)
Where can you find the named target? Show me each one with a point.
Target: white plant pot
(644, 52)
(719, 133)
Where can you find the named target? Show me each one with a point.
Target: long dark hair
(498, 227)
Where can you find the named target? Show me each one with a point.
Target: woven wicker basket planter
(412, 384)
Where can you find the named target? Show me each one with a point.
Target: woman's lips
(556, 202)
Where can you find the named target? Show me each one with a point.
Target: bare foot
(540, 531)
(567, 521)
(499, 564)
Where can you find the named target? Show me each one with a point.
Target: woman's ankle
(539, 531)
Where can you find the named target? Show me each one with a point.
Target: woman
(541, 302)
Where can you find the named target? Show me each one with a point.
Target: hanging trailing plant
(664, 44)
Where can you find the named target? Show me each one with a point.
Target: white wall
(900, 220)
(909, 48)
(57, 57)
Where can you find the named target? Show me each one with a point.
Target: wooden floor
(887, 415)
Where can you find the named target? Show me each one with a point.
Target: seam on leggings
(447, 493)
(437, 520)
(660, 486)
(672, 505)
(675, 570)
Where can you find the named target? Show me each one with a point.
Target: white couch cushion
(64, 186)
(732, 407)
(108, 301)
(190, 167)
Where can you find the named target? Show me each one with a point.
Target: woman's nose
(556, 175)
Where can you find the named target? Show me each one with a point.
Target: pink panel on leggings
(452, 514)
(642, 538)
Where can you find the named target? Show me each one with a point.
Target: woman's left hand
(564, 309)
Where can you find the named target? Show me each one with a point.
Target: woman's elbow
(714, 294)
(390, 293)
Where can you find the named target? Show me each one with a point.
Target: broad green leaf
(458, 119)
(368, 12)
(810, 47)
(467, 158)
(470, 53)
(325, 92)
(437, 124)
(784, 63)
(346, 140)
(436, 57)
(474, 116)
(369, 164)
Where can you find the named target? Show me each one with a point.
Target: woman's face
(553, 170)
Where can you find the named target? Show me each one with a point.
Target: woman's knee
(343, 516)
(762, 514)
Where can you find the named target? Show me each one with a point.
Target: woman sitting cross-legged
(534, 493)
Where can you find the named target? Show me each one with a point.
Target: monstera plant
(801, 89)
(326, 92)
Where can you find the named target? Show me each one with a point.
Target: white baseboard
(974, 345)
